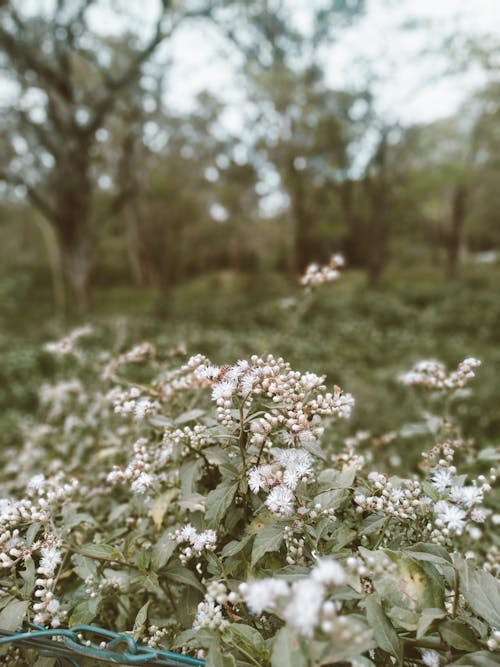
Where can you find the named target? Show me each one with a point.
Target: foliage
(219, 509)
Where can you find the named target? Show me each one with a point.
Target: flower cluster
(67, 345)
(304, 604)
(143, 470)
(281, 478)
(196, 542)
(55, 397)
(316, 275)
(298, 400)
(132, 402)
(48, 607)
(431, 374)
(209, 612)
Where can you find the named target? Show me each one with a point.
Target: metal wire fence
(81, 643)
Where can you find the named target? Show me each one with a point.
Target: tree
(70, 83)
(299, 125)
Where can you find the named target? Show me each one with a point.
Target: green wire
(135, 654)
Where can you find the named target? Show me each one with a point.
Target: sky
(411, 86)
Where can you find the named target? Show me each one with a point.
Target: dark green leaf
(385, 635)
(219, 501)
(268, 539)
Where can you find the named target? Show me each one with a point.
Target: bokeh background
(168, 170)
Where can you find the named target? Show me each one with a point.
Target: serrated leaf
(287, 650)
(219, 501)
(12, 616)
(160, 506)
(385, 635)
(268, 539)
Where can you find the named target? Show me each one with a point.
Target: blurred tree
(299, 124)
(69, 82)
(194, 203)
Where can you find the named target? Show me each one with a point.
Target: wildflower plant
(208, 508)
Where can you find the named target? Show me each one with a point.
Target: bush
(224, 510)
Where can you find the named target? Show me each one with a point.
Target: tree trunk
(456, 235)
(77, 264)
(73, 225)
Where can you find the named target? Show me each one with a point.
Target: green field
(361, 338)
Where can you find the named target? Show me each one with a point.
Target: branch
(25, 59)
(106, 104)
(33, 195)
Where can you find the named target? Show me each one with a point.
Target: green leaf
(219, 501)
(189, 416)
(181, 575)
(45, 661)
(287, 650)
(140, 620)
(268, 539)
(101, 552)
(482, 592)
(427, 618)
(429, 552)
(189, 472)
(251, 639)
(331, 499)
(12, 616)
(162, 550)
(479, 659)
(234, 547)
(385, 635)
(458, 635)
(84, 567)
(84, 612)
(28, 576)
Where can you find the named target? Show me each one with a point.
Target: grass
(362, 338)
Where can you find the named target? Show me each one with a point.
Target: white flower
(255, 481)
(142, 483)
(224, 389)
(451, 515)
(51, 557)
(303, 611)
(468, 495)
(187, 533)
(207, 372)
(479, 515)
(328, 571)
(430, 658)
(442, 479)
(280, 500)
(263, 594)
(36, 483)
